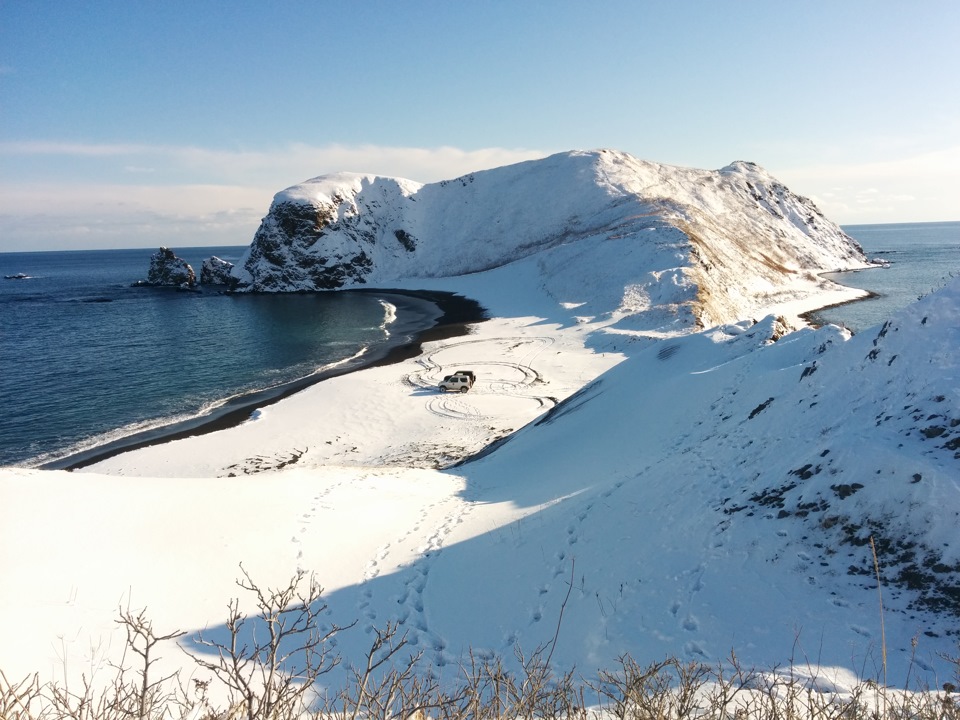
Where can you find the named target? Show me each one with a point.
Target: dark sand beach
(422, 316)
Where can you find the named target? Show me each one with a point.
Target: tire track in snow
(500, 385)
(453, 407)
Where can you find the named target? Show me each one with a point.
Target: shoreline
(422, 316)
(809, 316)
(451, 315)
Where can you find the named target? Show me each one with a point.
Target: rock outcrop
(166, 269)
(216, 271)
(703, 246)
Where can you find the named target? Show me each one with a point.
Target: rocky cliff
(166, 269)
(709, 245)
(216, 271)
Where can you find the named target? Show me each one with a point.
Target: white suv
(460, 381)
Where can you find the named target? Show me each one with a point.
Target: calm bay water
(85, 358)
(922, 257)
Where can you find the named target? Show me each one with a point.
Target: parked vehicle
(460, 381)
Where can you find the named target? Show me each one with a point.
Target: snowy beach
(341, 480)
(668, 489)
(423, 316)
(366, 443)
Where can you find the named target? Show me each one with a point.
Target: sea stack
(166, 269)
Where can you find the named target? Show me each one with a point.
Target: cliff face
(166, 269)
(216, 271)
(708, 245)
(325, 233)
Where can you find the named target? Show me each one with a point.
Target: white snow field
(684, 472)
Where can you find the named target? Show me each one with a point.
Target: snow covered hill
(715, 491)
(719, 491)
(703, 246)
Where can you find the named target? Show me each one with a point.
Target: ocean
(922, 257)
(86, 359)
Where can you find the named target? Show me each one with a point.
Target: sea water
(86, 358)
(921, 257)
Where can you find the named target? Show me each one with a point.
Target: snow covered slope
(716, 491)
(703, 246)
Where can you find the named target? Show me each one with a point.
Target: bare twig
(883, 632)
(563, 605)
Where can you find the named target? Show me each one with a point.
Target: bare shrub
(267, 666)
(147, 697)
(664, 689)
(387, 686)
(19, 699)
(269, 663)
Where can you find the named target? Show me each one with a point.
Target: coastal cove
(479, 361)
(422, 316)
(920, 257)
(625, 465)
(93, 365)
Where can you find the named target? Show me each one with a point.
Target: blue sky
(139, 123)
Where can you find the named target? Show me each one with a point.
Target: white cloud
(919, 188)
(289, 164)
(295, 163)
(43, 147)
(207, 196)
(175, 200)
(49, 216)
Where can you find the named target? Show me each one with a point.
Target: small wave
(330, 366)
(389, 316)
(145, 426)
(134, 428)
(102, 439)
(80, 300)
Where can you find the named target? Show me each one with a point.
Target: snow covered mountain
(720, 488)
(668, 245)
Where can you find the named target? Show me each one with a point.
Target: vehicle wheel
(464, 389)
